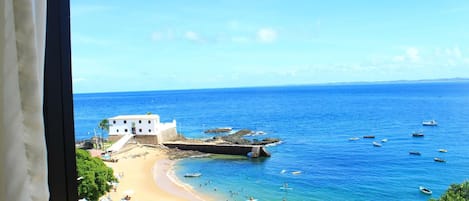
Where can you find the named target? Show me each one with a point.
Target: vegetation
(456, 192)
(94, 177)
(104, 125)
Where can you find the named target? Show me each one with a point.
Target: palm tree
(104, 125)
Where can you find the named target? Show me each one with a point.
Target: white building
(138, 125)
(146, 128)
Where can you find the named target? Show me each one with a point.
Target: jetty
(253, 151)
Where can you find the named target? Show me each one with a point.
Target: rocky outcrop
(238, 138)
(218, 130)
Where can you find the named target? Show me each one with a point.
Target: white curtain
(23, 163)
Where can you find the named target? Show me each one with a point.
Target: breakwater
(253, 151)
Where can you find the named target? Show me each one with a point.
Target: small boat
(283, 171)
(430, 123)
(384, 140)
(197, 174)
(415, 153)
(353, 138)
(296, 172)
(417, 134)
(425, 190)
(251, 199)
(285, 187)
(376, 144)
(442, 150)
(369, 136)
(439, 160)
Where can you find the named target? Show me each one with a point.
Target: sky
(178, 44)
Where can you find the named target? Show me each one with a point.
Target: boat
(369, 136)
(442, 150)
(353, 138)
(296, 172)
(384, 140)
(376, 144)
(439, 160)
(251, 199)
(425, 190)
(197, 174)
(430, 123)
(417, 134)
(415, 153)
(285, 187)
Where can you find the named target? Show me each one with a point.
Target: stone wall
(146, 139)
(114, 138)
(169, 134)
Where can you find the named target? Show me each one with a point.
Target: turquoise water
(314, 123)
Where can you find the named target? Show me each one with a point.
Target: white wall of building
(143, 125)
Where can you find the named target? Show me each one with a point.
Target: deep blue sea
(314, 123)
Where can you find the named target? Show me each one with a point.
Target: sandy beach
(145, 173)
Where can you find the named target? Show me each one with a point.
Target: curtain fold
(23, 169)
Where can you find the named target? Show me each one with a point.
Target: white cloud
(157, 36)
(162, 35)
(266, 35)
(399, 58)
(412, 54)
(453, 52)
(192, 36)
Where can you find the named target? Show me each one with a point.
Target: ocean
(314, 123)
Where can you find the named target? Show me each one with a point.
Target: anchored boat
(425, 190)
(196, 174)
(429, 123)
(439, 160)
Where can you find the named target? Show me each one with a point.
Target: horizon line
(459, 79)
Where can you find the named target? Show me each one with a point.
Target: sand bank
(147, 174)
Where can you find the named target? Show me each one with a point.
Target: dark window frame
(58, 104)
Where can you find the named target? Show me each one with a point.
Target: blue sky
(163, 45)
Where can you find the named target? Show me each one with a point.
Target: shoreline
(148, 174)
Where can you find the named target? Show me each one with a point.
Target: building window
(140, 130)
(125, 121)
(113, 121)
(126, 130)
(149, 122)
(149, 130)
(139, 121)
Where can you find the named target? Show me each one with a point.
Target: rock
(218, 130)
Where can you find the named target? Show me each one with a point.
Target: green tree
(104, 125)
(93, 175)
(455, 192)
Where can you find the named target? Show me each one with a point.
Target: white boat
(418, 134)
(430, 123)
(296, 172)
(384, 140)
(442, 150)
(425, 190)
(440, 160)
(197, 174)
(353, 138)
(376, 144)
